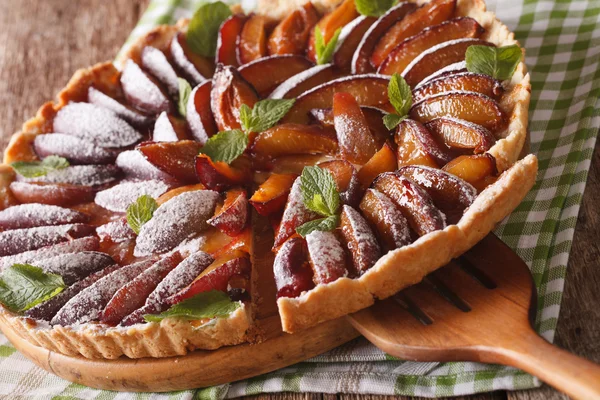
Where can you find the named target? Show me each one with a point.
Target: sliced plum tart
(371, 146)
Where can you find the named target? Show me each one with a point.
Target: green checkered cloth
(562, 39)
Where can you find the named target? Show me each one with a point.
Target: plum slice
(194, 67)
(88, 243)
(464, 81)
(303, 81)
(75, 266)
(293, 274)
(143, 91)
(461, 135)
(360, 240)
(119, 197)
(21, 240)
(271, 195)
(229, 92)
(382, 161)
(135, 118)
(327, 257)
(291, 138)
(455, 68)
(470, 106)
(413, 201)
(117, 231)
(87, 305)
(74, 149)
(219, 175)
(411, 48)
(252, 43)
(169, 128)
(291, 35)
(229, 34)
(295, 214)
(53, 194)
(33, 215)
(479, 170)
(361, 59)
(391, 226)
(199, 115)
(433, 13)
(349, 39)
(367, 89)
(373, 115)
(136, 166)
(344, 175)
(437, 57)
(179, 277)
(155, 62)
(342, 15)
(95, 124)
(356, 144)
(232, 216)
(450, 194)
(177, 219)
(416, 145)
(177, 159)
(133, 294)
(85, 175)
(266, 73)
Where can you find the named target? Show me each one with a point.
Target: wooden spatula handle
(575, 376)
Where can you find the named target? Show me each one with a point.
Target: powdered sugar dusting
(119, 197)
(21, 240)
(154, 61)
(33, 214)
(163, 129)
(86, 175)
(360, 240)
(179, 57)
(135, 166)
(75, 266)
(191, 245)
(74, 149)
(98, 98)
(326, 255)
(141, 91)
(393, 219)
(117, 231)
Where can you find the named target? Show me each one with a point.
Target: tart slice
(132, 204)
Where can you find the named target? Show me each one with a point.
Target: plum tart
(371, 144)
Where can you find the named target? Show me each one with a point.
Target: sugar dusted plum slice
(349, 39)
(293, 274)
(361, 59)
(411, 48)
(229, 34)
(359, 239)
(327, 257)
(176, 220)
(130, 115)
(252, 43)
(338, 18)
(88, 304)
(155, 62)
(470, 106)
(464, 81)
(181, 276)
(382, 161)
(456, 68)
(433, 13)
(229, 92)
(199, 115)
(271, 195)
(266, 73)
(89, 243)
(356, 144)
(305, 80)
(344, 175)
(117, 231)
(95, 124)
(437, 57)
(75, 266)
(133, 295)
(373, 115)
(84, 175)
(292, 138)
(169, 128)
(295, 214)
(391, 226)
(450, 194)
(413, 201)
(479, 169)
(194, 67)
(416, 145)
(367, 89)
(119, 197)
(48, 309)
(53, 194)
(74, 149)
(219, 175)
(136, 166)
(290, 36)
(20, 240)
(461, 135)
(177, 159)
(32, 215)
(143, 91)
(232, 217)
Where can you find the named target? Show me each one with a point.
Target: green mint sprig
(209, 304)
(498, 62)
(319, 194)
(23, 286)
(373, 8)
(324, 51)
(400, 97)
(140, 212)
(225, 146)
(34, 169)
(203, 29)
(185, 89)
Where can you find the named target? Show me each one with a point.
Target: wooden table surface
(42, 43)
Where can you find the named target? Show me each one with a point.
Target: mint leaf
(225, 146)
(33, 169)
(319, 191)
(203, 305)
(265, 114)
(373, 8)
(324, 50)
(23, 286)
(185, 89)
(400, 94)
(322, 224)
(203, 29)
(497, 62)
(140, 212)
(392, 120)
